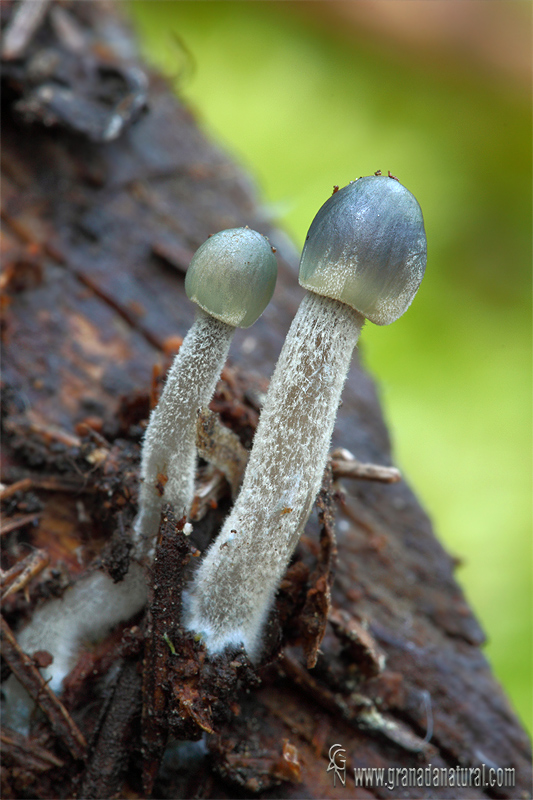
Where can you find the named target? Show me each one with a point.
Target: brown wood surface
(97, 236)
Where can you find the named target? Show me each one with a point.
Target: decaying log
(108, 187)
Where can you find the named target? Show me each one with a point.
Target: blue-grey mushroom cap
(367, 248)
(232, 276)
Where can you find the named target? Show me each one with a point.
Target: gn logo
(337, 763)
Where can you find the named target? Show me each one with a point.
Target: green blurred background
(307, 95)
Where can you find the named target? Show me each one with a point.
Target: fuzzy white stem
(87, 612)
(169, 448)
(238, 577)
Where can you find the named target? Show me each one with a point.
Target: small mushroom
(364, 256)
(231, 278)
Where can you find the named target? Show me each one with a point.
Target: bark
(108, 187)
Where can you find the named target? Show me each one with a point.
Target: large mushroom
(364, 257)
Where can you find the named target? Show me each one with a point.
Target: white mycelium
(86, 613)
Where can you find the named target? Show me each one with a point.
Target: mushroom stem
(169, 450)
(237, 579)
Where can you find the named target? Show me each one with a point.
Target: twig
(27, 752)
(358, 643)
(221, 447)
(108, 761)
(19, 486)
(31, 679)
(345, 466)
(23, 571)
(212, 488)
(22, 26)
(47, 433)
(366, 472)
(18, 522)
(356, 708)
(49, 484)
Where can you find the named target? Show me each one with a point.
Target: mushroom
(364, 257)
(231, 278)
